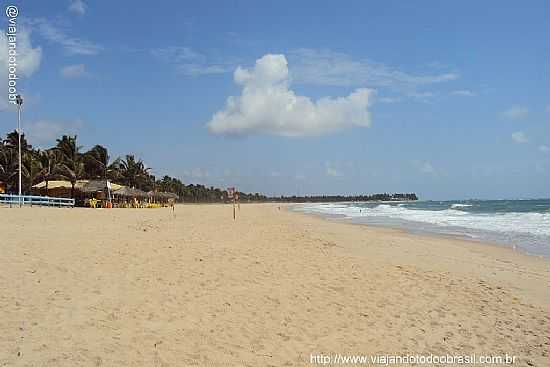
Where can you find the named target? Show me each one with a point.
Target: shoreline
(499, 245)
(468, 240)
(410, 229)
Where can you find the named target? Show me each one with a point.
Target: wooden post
(231, 194)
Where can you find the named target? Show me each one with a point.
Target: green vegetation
(67, 161)
(340, 198)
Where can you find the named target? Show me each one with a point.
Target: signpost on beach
(231, 194)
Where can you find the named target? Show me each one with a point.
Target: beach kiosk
(100, 190)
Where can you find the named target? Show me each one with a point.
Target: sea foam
(531, 229)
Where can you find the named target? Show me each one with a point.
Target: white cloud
(516, 112)
(28, 59)
(421, 95)
(176, 54)
(544, 148)
(74, 71)
(317, 67)
(332, 172)
(73, 46)
(77, 7)
(464, 93)
(267, 105)
(325, 67)
(388, 99)
(43, 133)
(519, 137)
(190, 62)
(425, 167)
(199, 69)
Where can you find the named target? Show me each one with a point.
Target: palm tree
(72, 166)
(97, 163)
(8, 165)
(133, 172)
(32, 166)
(166, 184)
(12, 140)
(50, 161)
(10, 153)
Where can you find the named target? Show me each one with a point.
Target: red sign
(230, 192)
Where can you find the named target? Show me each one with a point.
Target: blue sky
(446, 99)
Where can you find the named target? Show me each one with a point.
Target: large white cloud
(267, 105)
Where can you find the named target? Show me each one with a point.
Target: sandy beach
(141, 287)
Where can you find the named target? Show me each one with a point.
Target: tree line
(67, 161)
(341, 198)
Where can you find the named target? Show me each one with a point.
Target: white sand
(137, 287)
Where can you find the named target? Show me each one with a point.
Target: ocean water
(521, 224)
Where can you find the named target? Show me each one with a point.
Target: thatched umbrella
(130, 193)
(59, 188)
(162, 195)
